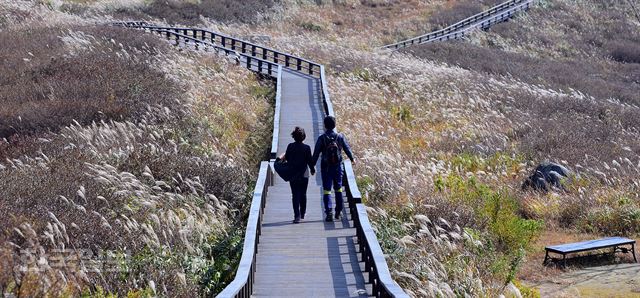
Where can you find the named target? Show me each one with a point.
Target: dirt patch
(620, 280)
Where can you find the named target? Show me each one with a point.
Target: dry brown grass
(78, 73)
(178, 11)
(414, 122)
(454, 11)
(132, 156)
(601, 79)
(226, 11)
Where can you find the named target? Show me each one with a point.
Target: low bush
(465, 235)
(625, 51)
(618, 218)
(498, 210)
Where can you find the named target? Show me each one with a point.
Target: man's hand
(281, 156)
(313, 172)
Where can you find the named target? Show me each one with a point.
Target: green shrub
(508, 236)
(403, 114)
(527, 292)
(510, 230)
(309, 26)
(622, 218)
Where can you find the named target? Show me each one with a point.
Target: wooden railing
(483, 20)
(276, 116)
(271, 62)
(189, 37)
(242, 284)
(235, 45)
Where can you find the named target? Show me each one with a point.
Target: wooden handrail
(252, 63)
(242, 284)
(375, 264)
(483, 19)
(276, 115)
(290, 61)
(326, 99)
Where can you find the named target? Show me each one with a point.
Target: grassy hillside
(175, 11)
(444, 145)
(444, 134)
(126, 165)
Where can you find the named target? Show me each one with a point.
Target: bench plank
(590, 245)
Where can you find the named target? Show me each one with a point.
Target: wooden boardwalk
(313, 258)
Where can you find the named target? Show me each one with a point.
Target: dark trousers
(332, 175)
(299, 196)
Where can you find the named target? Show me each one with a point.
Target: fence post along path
(280, 259)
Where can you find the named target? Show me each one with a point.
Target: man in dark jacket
(330, 145)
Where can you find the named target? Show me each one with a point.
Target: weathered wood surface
(313, 258)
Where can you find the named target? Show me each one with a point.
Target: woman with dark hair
(298, 156)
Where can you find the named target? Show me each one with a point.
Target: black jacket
(298, 156)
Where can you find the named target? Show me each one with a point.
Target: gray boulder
(546, 176)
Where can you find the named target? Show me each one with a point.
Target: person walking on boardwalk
(298, 157)
(330, 145)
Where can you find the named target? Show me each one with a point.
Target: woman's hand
(313, 171)
(282, 157)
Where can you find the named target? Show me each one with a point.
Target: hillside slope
(444, 134)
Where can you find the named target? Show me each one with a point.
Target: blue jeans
(332, 175)
(299, 196)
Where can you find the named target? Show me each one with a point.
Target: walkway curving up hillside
(281, 259)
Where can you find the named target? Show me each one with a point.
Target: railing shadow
(345, 267)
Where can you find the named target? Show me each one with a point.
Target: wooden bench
(614, 242)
